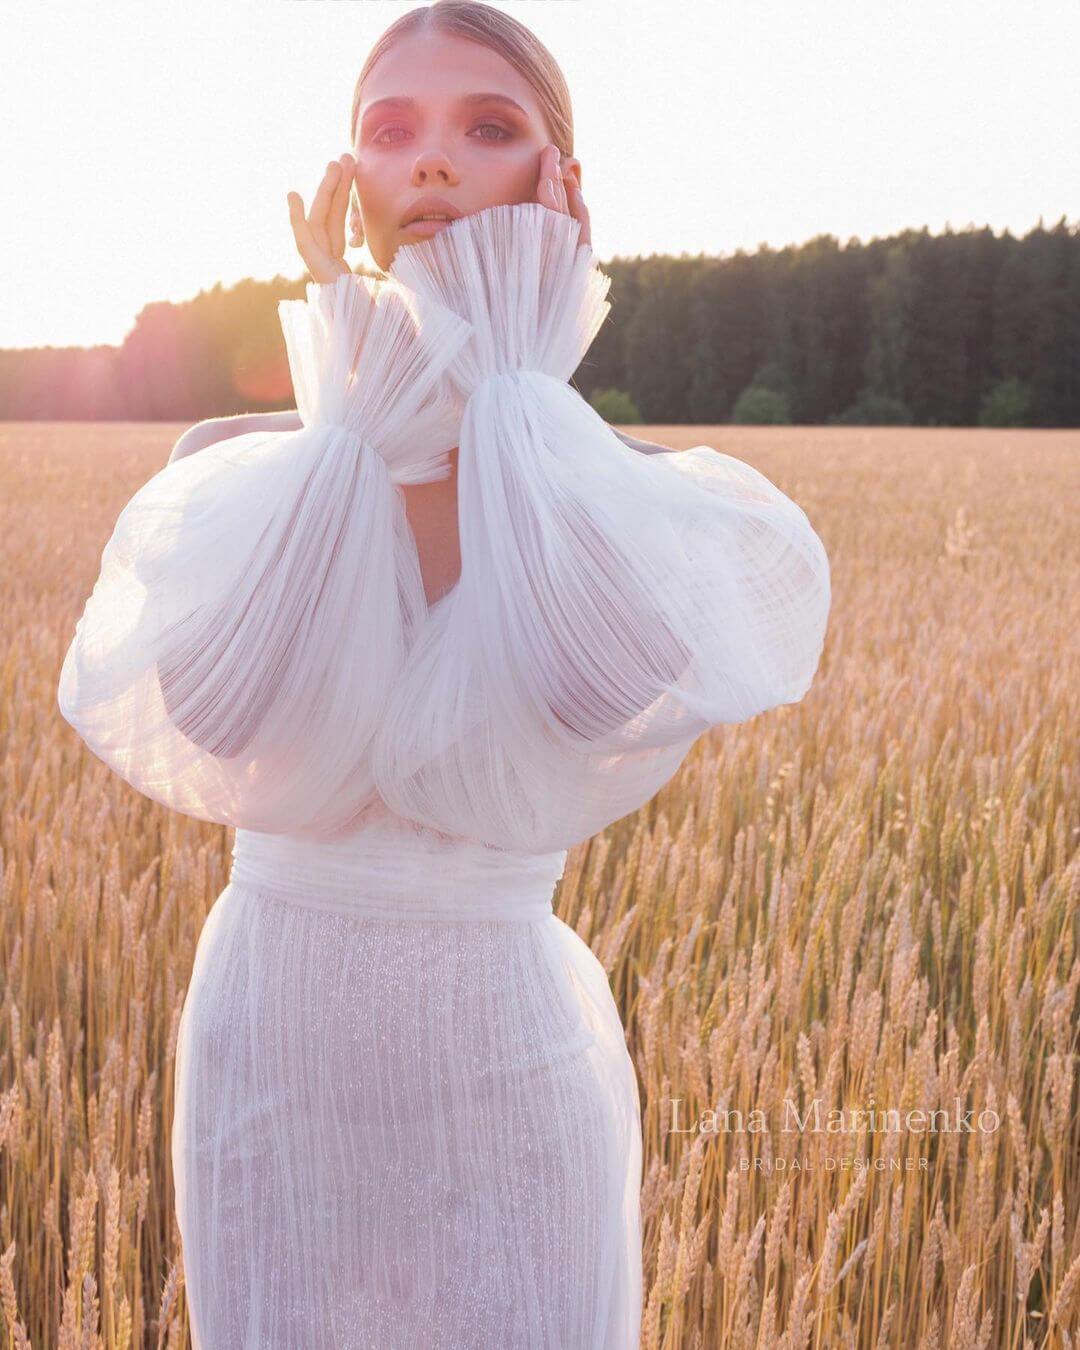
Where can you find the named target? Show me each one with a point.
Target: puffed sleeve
(611, 606)
(248, 618)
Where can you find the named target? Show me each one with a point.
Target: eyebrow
(468, 99)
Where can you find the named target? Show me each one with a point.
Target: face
(464, 126)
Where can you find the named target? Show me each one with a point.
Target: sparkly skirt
(405, 1111)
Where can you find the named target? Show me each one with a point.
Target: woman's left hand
(557, 188)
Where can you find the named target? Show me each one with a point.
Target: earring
(356, 230)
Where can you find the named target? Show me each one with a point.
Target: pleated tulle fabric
(256, 600)
(611, 605)
(258, 650)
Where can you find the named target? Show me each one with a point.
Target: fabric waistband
(398, 873)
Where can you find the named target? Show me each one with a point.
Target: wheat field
(836, 920)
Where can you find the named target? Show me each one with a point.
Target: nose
(433, 166)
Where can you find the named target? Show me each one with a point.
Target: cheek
(518, 166)
(373, 192)
(365, 180)
(371, 170)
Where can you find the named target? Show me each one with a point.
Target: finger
(297, 219)
(339, 205)
(321, 205)
(307, 246)
(546, 190)
(560, 186)
(326, 188)
(301, 230)
(579, 210)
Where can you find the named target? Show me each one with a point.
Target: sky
(149, 146)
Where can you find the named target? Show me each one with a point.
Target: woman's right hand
(320, 235)
(557, 188)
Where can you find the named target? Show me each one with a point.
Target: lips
(430, 206)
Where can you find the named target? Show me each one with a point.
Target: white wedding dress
(405, 1111)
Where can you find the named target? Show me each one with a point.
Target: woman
(319, 237)
(405, 1112)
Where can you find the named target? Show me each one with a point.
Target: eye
(503, 136)
(379, 138)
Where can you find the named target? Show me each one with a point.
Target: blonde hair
(499, 32)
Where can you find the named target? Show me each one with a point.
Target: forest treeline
(954, 329)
